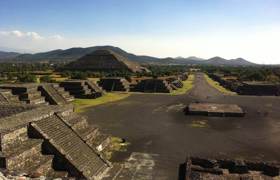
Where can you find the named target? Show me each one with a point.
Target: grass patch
(217, 85)
(116, 145)
(82, 104)
(187, 85)
(199, 124)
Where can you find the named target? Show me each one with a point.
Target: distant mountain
(8, 55)
(218, 61)
(68, 55)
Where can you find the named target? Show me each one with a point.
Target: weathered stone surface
(105, 60)
(153, 86)
(27, 93)
(82, 88)
(54, 94)
(84, 160)
(114, 84)
(6, 96)
(211, 109)
(224, 169)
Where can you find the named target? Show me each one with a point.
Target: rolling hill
(68, 55)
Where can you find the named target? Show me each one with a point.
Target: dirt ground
(157, 125)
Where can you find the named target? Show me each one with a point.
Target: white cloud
(20, 34)
(258, 45)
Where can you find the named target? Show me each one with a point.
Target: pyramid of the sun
(105, 60)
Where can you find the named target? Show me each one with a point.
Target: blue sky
(204, 28)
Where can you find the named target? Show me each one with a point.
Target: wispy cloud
(260, 45)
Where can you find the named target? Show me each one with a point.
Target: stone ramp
(71, 147)
(53, 95)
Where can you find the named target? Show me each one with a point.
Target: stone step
(82, 158)
(99, 142)
(114, 172)
(40, 100)
(88, 133)
(39, 166)
(77, 122)
(57, 174)
(30, 95)
(21, 156)
(13, 137)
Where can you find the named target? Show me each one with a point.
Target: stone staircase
(98, 141)
(114, 84)
(153, 86)
(22, 155)
(27, 93)
(6, 96)
(76, 156)
(82, 88)
(54, 94)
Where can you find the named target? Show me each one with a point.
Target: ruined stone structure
(114, 84)
(27, 93)
(82, 88)
(196, 168)
(153, 86)
(175, 82)
(37, 93)
(259, 88)
(105, 60)
(210, 109)
(54, 94)
(6, 96)
(51, 141)
(247, 88)
(183, 76)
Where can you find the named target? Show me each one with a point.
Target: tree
(25, 77)
(46, 78)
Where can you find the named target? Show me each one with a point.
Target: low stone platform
(197, 168)
(211, 109)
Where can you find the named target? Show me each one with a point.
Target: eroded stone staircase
(27, 93)
(80, 159)
(82, 88)
(55, 94)
(50, 141)
(22, 155)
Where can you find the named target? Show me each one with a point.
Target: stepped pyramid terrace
(142, 135)
(105, 60)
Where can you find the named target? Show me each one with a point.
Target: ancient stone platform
(153, 86)
(82, 88)
(197, 168)
(114, 84)
(50, 141)
(211, 109)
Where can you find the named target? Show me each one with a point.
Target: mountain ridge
(71, 54)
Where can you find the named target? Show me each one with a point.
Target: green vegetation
(199, 124)
(188, 85)
(82, 104)
(117, 144)
(218, 86)
(26, 78)
(46, 78)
